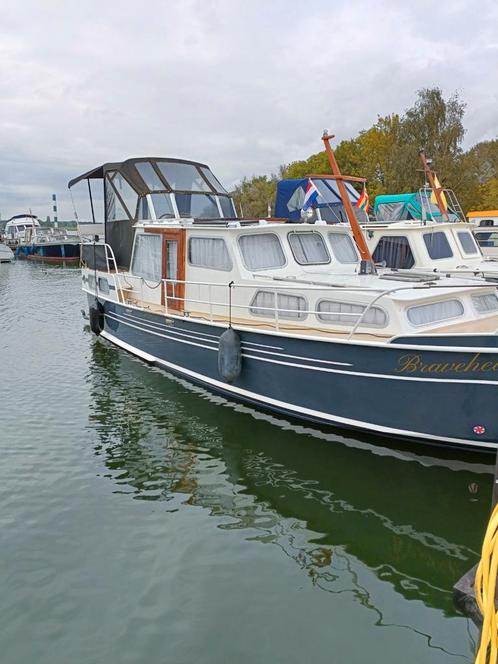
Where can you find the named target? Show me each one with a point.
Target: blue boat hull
(426, 393)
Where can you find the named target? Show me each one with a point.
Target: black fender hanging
(96, 317)
(229, 355)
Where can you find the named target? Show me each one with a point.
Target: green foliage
(387, 154)
(254, 197)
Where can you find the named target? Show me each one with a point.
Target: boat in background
(293, 318)
(485, 229)
(17, 226)
(427, 232)
(50, 245)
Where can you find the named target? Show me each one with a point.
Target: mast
(434, 186)
(367, 265)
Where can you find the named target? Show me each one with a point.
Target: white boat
(17, 226)
(286, 316)
(429, 247)
(485, 229)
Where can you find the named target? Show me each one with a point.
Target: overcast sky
(244, 85)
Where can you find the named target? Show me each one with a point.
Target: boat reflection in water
(357, 518)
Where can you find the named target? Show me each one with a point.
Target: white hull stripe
(200, 336)
(226, 387)
(170, 330)
(315, 368)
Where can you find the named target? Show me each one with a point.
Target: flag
(441, 195)
(311, 195)
(363, 203)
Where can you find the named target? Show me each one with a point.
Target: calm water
(143, 520)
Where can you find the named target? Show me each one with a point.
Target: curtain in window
(292, 307)
(209, 252)
(147, 257)
(346, 312)
(308, 248)
(262, 251)
(485, 303)
(434, 312)
(171, 259)
(394, 251)
(343, 248)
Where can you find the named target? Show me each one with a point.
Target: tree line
(387, 155)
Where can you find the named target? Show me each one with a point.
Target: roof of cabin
(483, 213)
(127, 167)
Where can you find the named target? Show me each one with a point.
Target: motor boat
(290, 317)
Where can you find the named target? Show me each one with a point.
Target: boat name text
(415, 364)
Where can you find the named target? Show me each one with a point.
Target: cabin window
(487, 239)
(213, 181)
(394, 251)
(467, 242)
(332, 311)
(291, 307)
(103, 285)
(182, 177)
(485, 303)
(149, 176)
(147, 256)
(127, 194)
(209, 252)
(437, 245)
(163, 206)
(227, 207)
(198, 206)
(343, 248)
(261, 251)
(486, 222)
(308, 248)
(114, 210)
(434, 312)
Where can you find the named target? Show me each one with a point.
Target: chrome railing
(173, 302)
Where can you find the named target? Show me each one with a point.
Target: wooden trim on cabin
(170, 291)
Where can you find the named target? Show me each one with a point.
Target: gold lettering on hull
(409, 364)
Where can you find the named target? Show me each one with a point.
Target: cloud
(242, 86)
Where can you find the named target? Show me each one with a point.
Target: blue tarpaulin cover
(290, 198)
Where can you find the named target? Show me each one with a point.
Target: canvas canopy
(399, 207)
(290, 198)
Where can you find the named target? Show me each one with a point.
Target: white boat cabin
(17, 227)
(173, 245)
(441, 247)
(485, 229)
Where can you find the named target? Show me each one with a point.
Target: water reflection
(412, 518)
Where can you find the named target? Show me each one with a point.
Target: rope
(485, 589)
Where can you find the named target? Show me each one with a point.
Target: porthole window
(485, 303)
(435, 312)
(291, 307)
(335, 311)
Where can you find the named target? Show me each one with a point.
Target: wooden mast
(431, 179)
(367, 264)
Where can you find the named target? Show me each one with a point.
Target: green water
(143, 520)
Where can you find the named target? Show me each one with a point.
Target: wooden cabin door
(174, 268)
